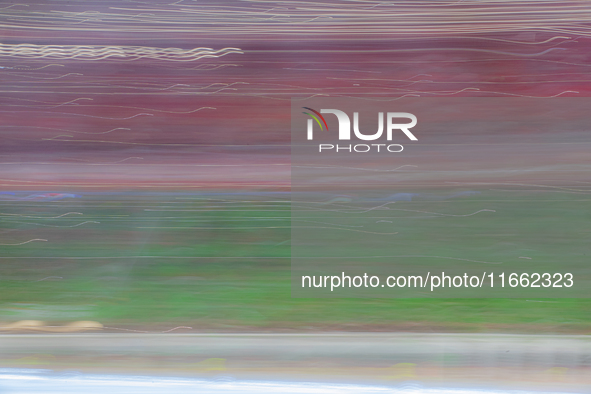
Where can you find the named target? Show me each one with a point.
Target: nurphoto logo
(345, 130)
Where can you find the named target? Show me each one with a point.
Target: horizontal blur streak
(44, 383)
(418, 363)
(342, 18)
(179, 95)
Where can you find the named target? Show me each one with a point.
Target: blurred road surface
(232, 363)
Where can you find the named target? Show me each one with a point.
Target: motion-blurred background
(145, 184)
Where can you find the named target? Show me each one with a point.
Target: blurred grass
(257, 295)
(215, 275)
